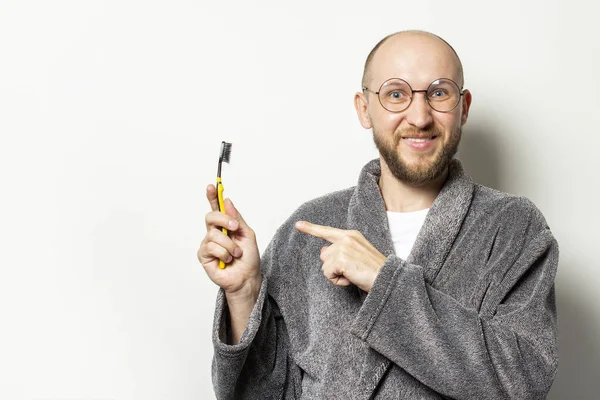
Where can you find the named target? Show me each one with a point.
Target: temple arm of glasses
(366, 88)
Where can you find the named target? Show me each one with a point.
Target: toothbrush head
(225, 152)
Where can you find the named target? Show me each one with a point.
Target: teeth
(417, 140)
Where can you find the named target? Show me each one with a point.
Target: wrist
(381, 259)
(246, 295)
(241, 303)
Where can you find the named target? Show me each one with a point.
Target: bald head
(413, 41)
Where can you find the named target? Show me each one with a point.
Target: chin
(420, 172)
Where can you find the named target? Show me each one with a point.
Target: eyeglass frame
(461, 91)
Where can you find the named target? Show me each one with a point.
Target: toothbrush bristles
(225, 151)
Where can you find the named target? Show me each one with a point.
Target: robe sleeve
(503, 349)
(259, 364)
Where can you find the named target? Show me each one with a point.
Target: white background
(111, 118)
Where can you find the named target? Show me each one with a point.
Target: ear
(361, 104)
(466, 104)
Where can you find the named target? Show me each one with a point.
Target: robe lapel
(367, 214)
(443, 222)
(366, 211)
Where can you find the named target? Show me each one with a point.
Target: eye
(438, 93)
(397, 96)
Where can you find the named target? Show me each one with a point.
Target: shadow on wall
(480, 155)
(579, 351)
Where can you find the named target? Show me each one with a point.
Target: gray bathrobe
(469, 315)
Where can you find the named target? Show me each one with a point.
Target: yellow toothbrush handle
(222, 209)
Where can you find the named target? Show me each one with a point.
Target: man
(415, 284)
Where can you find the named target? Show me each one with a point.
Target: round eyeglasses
(395, 95)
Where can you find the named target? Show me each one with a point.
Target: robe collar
(367, 214)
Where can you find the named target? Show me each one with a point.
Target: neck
(400, 196)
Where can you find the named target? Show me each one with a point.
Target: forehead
(419, 59)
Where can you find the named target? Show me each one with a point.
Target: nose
(419, 113)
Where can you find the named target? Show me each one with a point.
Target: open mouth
(419, 140)
(420, 144)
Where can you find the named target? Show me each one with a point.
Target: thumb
(233, 212)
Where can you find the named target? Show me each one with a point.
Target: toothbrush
(224, 156)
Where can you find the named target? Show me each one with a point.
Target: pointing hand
(349, 259)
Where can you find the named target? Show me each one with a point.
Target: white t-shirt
(404, 227)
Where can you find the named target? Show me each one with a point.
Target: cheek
(386, 122)
(448, 123)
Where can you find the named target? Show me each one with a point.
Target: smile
(419, 143)
(419, 140)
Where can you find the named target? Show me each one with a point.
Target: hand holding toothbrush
(241, 279)
(238, 249)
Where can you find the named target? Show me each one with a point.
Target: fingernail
(299, 224)
(237, 252)
(228, 260)
(232, 224)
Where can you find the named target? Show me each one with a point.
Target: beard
(426, 170)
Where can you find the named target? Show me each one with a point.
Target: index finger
(321, 231)
(211, 195)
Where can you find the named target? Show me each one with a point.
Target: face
(417, 144)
